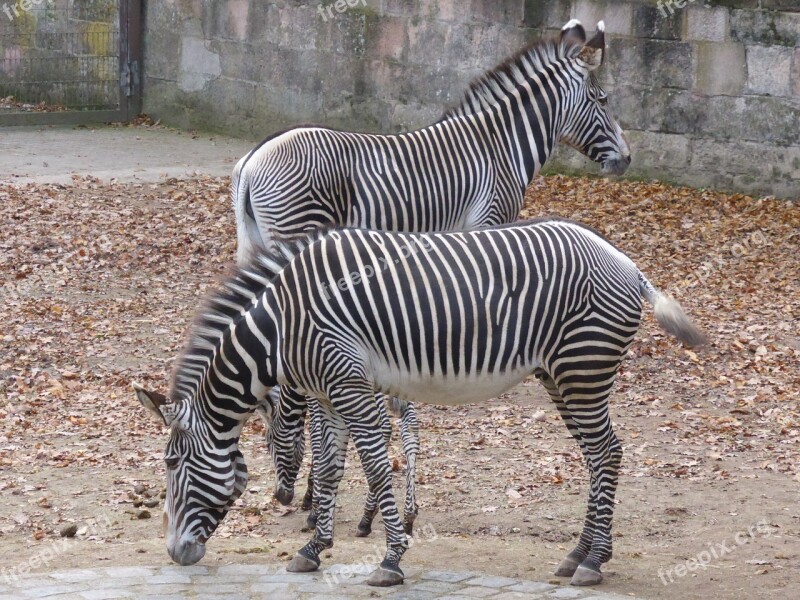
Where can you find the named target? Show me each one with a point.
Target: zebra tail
(670, 315)
(248, 237)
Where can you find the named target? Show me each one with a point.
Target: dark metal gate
(69, 61)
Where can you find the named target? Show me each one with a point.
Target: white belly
(449, 391)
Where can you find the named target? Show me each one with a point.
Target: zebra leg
(588, 409)
(569, 565)
(286, 441)
(309, 495)
(328, 471)
(358, 407)
(312, 492)
(371, 506)
(409, 432)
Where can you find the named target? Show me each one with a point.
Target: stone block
(751, 118)
(440, 10)
(784, 5)
(531, 587)
(74, 575)
(447, 576)
(677, 111)
(422, 37)
(161, 45)
(766, 27)
(588, 13)
(199, 65)
(706, 24)
(653, 151)
(403, 8)
(278, 590)
(107, 594)
(229, 19)
(651, 22)
(769, 70)
(796, 73)
(491, 581)
(720, 69)
(618, 16)
(244, 570)
(171, 578)
(341, 32)
(477, 592)
(237, 61)
(386, 38)
(750, 166)
(566, 593)
(547, 13)
(511, 40)
(637, 106)
(501, 12)
(661, 63)
(735, 3)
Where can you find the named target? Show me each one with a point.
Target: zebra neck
(527, 134)
(243, 369)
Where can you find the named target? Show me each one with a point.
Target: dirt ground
(100, 281)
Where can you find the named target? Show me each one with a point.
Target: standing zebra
(445, 318)
(468, 170)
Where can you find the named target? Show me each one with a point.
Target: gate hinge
(129, 77)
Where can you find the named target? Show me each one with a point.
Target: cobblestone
(232, 582)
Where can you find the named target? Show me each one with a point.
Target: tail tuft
(671, 317)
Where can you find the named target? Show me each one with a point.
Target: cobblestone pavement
(235, 582)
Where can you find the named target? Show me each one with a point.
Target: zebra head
(205, 476)
(588, 125)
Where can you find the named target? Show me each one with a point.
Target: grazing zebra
(444, 318)
(468, 170)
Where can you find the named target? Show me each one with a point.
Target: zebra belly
(448, 391)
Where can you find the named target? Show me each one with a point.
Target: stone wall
(709, 92)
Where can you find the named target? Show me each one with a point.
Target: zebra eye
(602, 100)
(171, 461)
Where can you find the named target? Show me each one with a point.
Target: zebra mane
(484, 91)
(225, 305)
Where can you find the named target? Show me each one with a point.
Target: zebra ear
(573, 33)
(155, 402)
(592, 53)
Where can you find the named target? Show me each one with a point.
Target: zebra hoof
(364, 527)
(311, 520)
(586, 576)
(284, 496)
(307, 502)
(567, 567)
(383, 577)
(301, 564)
